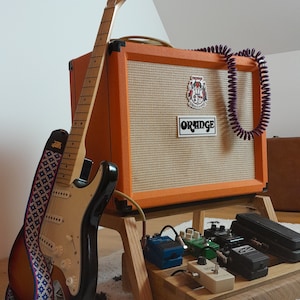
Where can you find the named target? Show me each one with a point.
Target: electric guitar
(68, 235)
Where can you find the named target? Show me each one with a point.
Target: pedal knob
(201, 261)
(213, 227)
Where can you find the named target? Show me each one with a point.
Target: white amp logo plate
(192, 126)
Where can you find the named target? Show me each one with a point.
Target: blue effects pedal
(163, 252)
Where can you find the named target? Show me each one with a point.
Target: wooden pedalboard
(135, 276)
(282, 279)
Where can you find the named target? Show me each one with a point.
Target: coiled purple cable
(232, 89)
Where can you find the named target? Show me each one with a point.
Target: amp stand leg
(133, 254)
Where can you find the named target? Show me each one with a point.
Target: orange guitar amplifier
(161, 116)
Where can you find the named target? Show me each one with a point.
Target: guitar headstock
(115, 3)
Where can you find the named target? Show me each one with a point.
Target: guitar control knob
(71, 282)
(58, 250)
(69, 237)
(66, 264)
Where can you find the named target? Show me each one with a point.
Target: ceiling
(267, 25)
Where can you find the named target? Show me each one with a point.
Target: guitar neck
(74, 153)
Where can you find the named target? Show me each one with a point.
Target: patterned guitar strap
(35, 211)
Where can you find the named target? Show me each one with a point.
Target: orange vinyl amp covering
(143, 97)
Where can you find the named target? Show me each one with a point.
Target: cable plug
(179, 239)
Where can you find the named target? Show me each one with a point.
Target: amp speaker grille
(159, 158)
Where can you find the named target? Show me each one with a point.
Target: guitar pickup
(86, 169)
(54, 218)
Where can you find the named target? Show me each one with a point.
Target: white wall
(284, 72)
(266, 25)
(38, 38)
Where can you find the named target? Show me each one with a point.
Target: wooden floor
(110, 241)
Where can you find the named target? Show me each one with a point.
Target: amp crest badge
(196, 92)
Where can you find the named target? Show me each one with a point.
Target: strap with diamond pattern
(35, 211)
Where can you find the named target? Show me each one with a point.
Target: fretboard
(74, 153)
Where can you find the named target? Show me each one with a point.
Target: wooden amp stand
(135, 267)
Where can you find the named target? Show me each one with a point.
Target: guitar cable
(141, 212)
(232, 89)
